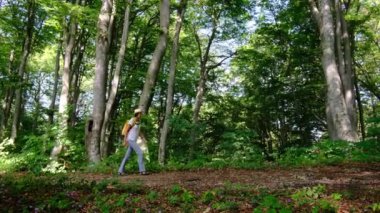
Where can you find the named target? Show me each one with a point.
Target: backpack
(125, 129)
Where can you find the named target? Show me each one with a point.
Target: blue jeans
(133, 145)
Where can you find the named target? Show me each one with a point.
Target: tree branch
(212, 37)
(220, 62)
(198, 40)
(315, 12)
(370, 87)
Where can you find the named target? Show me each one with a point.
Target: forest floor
(358, 183)
(357, 176)
(350, 187)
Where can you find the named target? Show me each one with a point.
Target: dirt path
(358, 186)
(357, 176)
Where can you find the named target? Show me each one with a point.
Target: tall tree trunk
(336, 105)
(356, 87)
(357, 91)
(360, 106)
(74, 98)
(348, 79)
(7, 104)
(202, 80)
(102, 47)
(161, 111)
(340, 63)
(115, 82)
(338, 36)
(197, 108)
(70, 35)
(21, 70)
(37, 104)
(158, 54)
(55, 86)
(6, 110)
(170, 93)
(199, 99)
(75, 77)
(112, 38)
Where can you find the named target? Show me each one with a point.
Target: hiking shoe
(144, 173)
(121, 174)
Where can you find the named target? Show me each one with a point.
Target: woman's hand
(142, 136)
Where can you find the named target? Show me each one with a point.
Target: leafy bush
(31, 151)
(316, 198)
(331, 152)
(374, 127)
(308, 195)
(237, 148)
(367, 151)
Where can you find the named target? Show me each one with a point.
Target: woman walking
(131, 132)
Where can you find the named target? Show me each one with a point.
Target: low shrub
(331, 152)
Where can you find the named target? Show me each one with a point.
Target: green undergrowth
(328, 153)
(36, 160)
(321, 153)
(59, 193)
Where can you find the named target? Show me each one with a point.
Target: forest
(233, 93)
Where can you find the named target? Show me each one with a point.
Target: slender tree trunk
(357, 91)
(374, 105)
(336, 105)
(37, 104)
(74, 99)
(361, 111)
(158, 54)
(7, 104)
(348, 79)
(70, 35)
(199, 97)
(75, 77)
(170, 93)
(102, 47)
(112, 38)
(269, 145)
(161, 111)
(197, 108)
(202, 81)
(115, 81)
(21, 70)
(111, 126)
(55, 86)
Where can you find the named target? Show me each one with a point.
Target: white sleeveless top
(133, 133)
